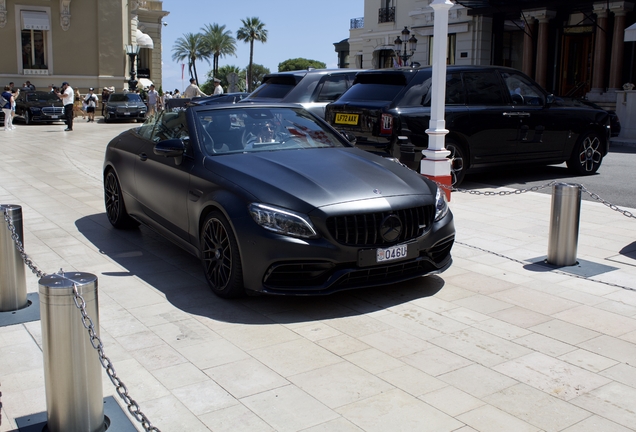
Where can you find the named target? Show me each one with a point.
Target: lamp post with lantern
(132, 51)
(401, 45)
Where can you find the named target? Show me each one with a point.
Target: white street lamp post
(435, 164)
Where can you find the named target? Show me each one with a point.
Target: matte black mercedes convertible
(273, 200)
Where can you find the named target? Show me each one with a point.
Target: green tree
(300, 64)
(190, 47)
(219, 42)
(258, 72)
(222, 74)
(253, 30)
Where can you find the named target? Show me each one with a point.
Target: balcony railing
(386, 14)
(357, 23)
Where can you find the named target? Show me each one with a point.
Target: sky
(296, 28)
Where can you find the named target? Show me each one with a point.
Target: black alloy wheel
(586, 156)
(220, 257)
(113, 200)
(457, 158)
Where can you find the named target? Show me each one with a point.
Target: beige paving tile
(544, 344)
(139, 341)
(614, 401)
(168, 414)
(552, 376)
(179, 375)
(436, 361)
(477, 380)
(158, 357)
(20, 357)
(246, 377)
(520, 316)
(534, 300)
(622, 373)
(235, 418)
(288, 409)
(480, 283)
(294, 357)
(536, 407)
(395, 342)
(374, 361)
(187, 332)
(214, 353)
(565, 331)
(489, 418)
(599, 320)
(412, 380)
(340, 384)
(588, 360)
(342, 345)
(337, 425)
(597, 424)
(204, 397)
(607, 346)
(257, 336)
(317, 331)
(465, 316)
(481, 347)
(357, 326)
(451, 400)
(502, 329)
(482, 304)
(397, 411)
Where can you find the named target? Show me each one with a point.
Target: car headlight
(282, 221)
(441, 205)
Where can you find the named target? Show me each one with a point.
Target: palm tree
(219, 42)
(253, 30)
(190, 47)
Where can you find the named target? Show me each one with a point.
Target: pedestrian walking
(78, 105)
(153, 100)
(7, 97)
(68, 98)
(91, 103)
(105, 95)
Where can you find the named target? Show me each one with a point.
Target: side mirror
(550, 100)
(170, 148)
(349, 137)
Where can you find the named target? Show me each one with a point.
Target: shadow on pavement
(179, 276)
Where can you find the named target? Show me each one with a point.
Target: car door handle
(143, 156)
(516, 114)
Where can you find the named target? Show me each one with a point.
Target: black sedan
(273, 200)
(125, 106)
(39, 107)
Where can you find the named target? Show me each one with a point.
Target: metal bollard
(13, 292)
(564, 224)
(72, 369)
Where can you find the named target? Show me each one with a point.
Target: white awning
(630, 34)
(143, 40)
(384, 47)
(145, 82)
(35, 20)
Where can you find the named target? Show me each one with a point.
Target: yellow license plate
(350, 119)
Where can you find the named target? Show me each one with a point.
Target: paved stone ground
(499, 342)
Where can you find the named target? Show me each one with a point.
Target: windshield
(120, 97)
(258, 129)
(42, 97)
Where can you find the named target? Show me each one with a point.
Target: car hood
(128, 104)
(308, 179)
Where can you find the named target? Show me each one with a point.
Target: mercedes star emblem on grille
(391, 228)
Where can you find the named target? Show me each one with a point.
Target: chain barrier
(497, 254)
(96, 342)
(537, 188)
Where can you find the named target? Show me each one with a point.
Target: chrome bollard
(13, 292)
(564, 224)
(72, 369)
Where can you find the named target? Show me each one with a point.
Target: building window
(386, 12)
(33, 49)
(33, 39)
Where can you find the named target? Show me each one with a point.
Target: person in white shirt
(153, 100)
(68, 98)
(91, 103)
(217, 86)
(192, 90)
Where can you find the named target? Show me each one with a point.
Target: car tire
(586, 156)
(107, 119)
(27, 117)
(458, 162)
(220, 257)
(114, 203)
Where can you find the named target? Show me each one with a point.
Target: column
(528, 47)
(600, 48)
(616, 63)
(542, 52)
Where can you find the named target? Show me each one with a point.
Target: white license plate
(126, 113)
(53, 116)
(393, 253)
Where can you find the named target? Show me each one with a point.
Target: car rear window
(276, 87)
(376, 87)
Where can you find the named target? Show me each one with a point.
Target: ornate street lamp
(132, 51)
(400, 45)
